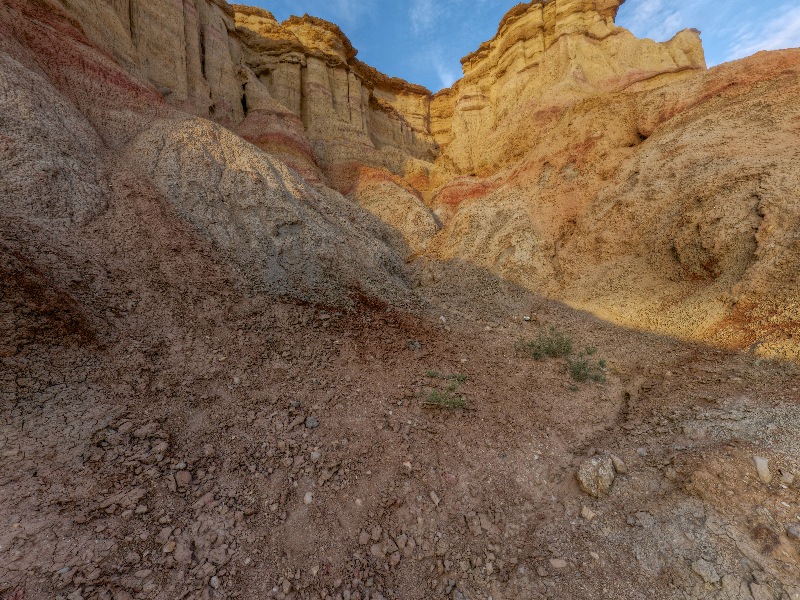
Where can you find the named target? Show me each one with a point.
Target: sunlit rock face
(546, 54)
(349, 111)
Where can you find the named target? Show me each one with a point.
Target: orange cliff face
(546, 55)
(349, 111)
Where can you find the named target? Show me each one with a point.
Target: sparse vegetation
(553, 344)
(583, 369)
(556, 344)
(447, 398)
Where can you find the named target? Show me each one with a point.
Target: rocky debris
(706, 570)
(595, 475)
(762, 468)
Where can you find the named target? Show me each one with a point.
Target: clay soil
(274, 450)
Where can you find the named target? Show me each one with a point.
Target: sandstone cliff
(572, 158)
(620, 176)
(546, 54)
(216, 370)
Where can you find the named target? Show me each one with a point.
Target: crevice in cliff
(244, 99)
(131, 20)
(202, 37)
(304, 96)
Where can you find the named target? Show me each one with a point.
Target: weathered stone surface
(595, 475)
(546, 55)
(186, 50)
(350, 111)
(762, 468)
(290, 238)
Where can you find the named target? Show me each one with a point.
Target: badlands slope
(235, 261)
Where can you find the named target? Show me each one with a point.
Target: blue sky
(423, 41)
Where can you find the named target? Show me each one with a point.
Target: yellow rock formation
(613, 173)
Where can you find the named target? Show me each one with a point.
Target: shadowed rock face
(613, 173)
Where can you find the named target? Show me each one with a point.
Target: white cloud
(778, 33)
(447, 75)
(659, 20)
(424, 14)
(351, 13)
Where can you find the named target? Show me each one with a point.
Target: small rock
(169, 547)
(143, 574)
(315, 456)
(132, 558)
(558, 563)
(312, 422)
(308, 498)
(215, 582)
(787, 477)
(762, 467)
(164, 534)
(706, 570)
(413, 345)
(619, 465)
(588, 514)
(435, 498)
(363, 538)
(793, 531)
(761, 591)
(183, 478)
(594, 555)
(595, 475)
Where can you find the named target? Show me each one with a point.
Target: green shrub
(582, 369)
(553, 344)
(439, 399)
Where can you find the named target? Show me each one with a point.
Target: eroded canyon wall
(613, 173)
(315, 105)
(544, 55)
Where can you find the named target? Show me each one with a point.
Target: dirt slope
(217, 377)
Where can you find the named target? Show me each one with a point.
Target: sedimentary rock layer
(572, 158)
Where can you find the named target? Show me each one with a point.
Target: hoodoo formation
(261, 311)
